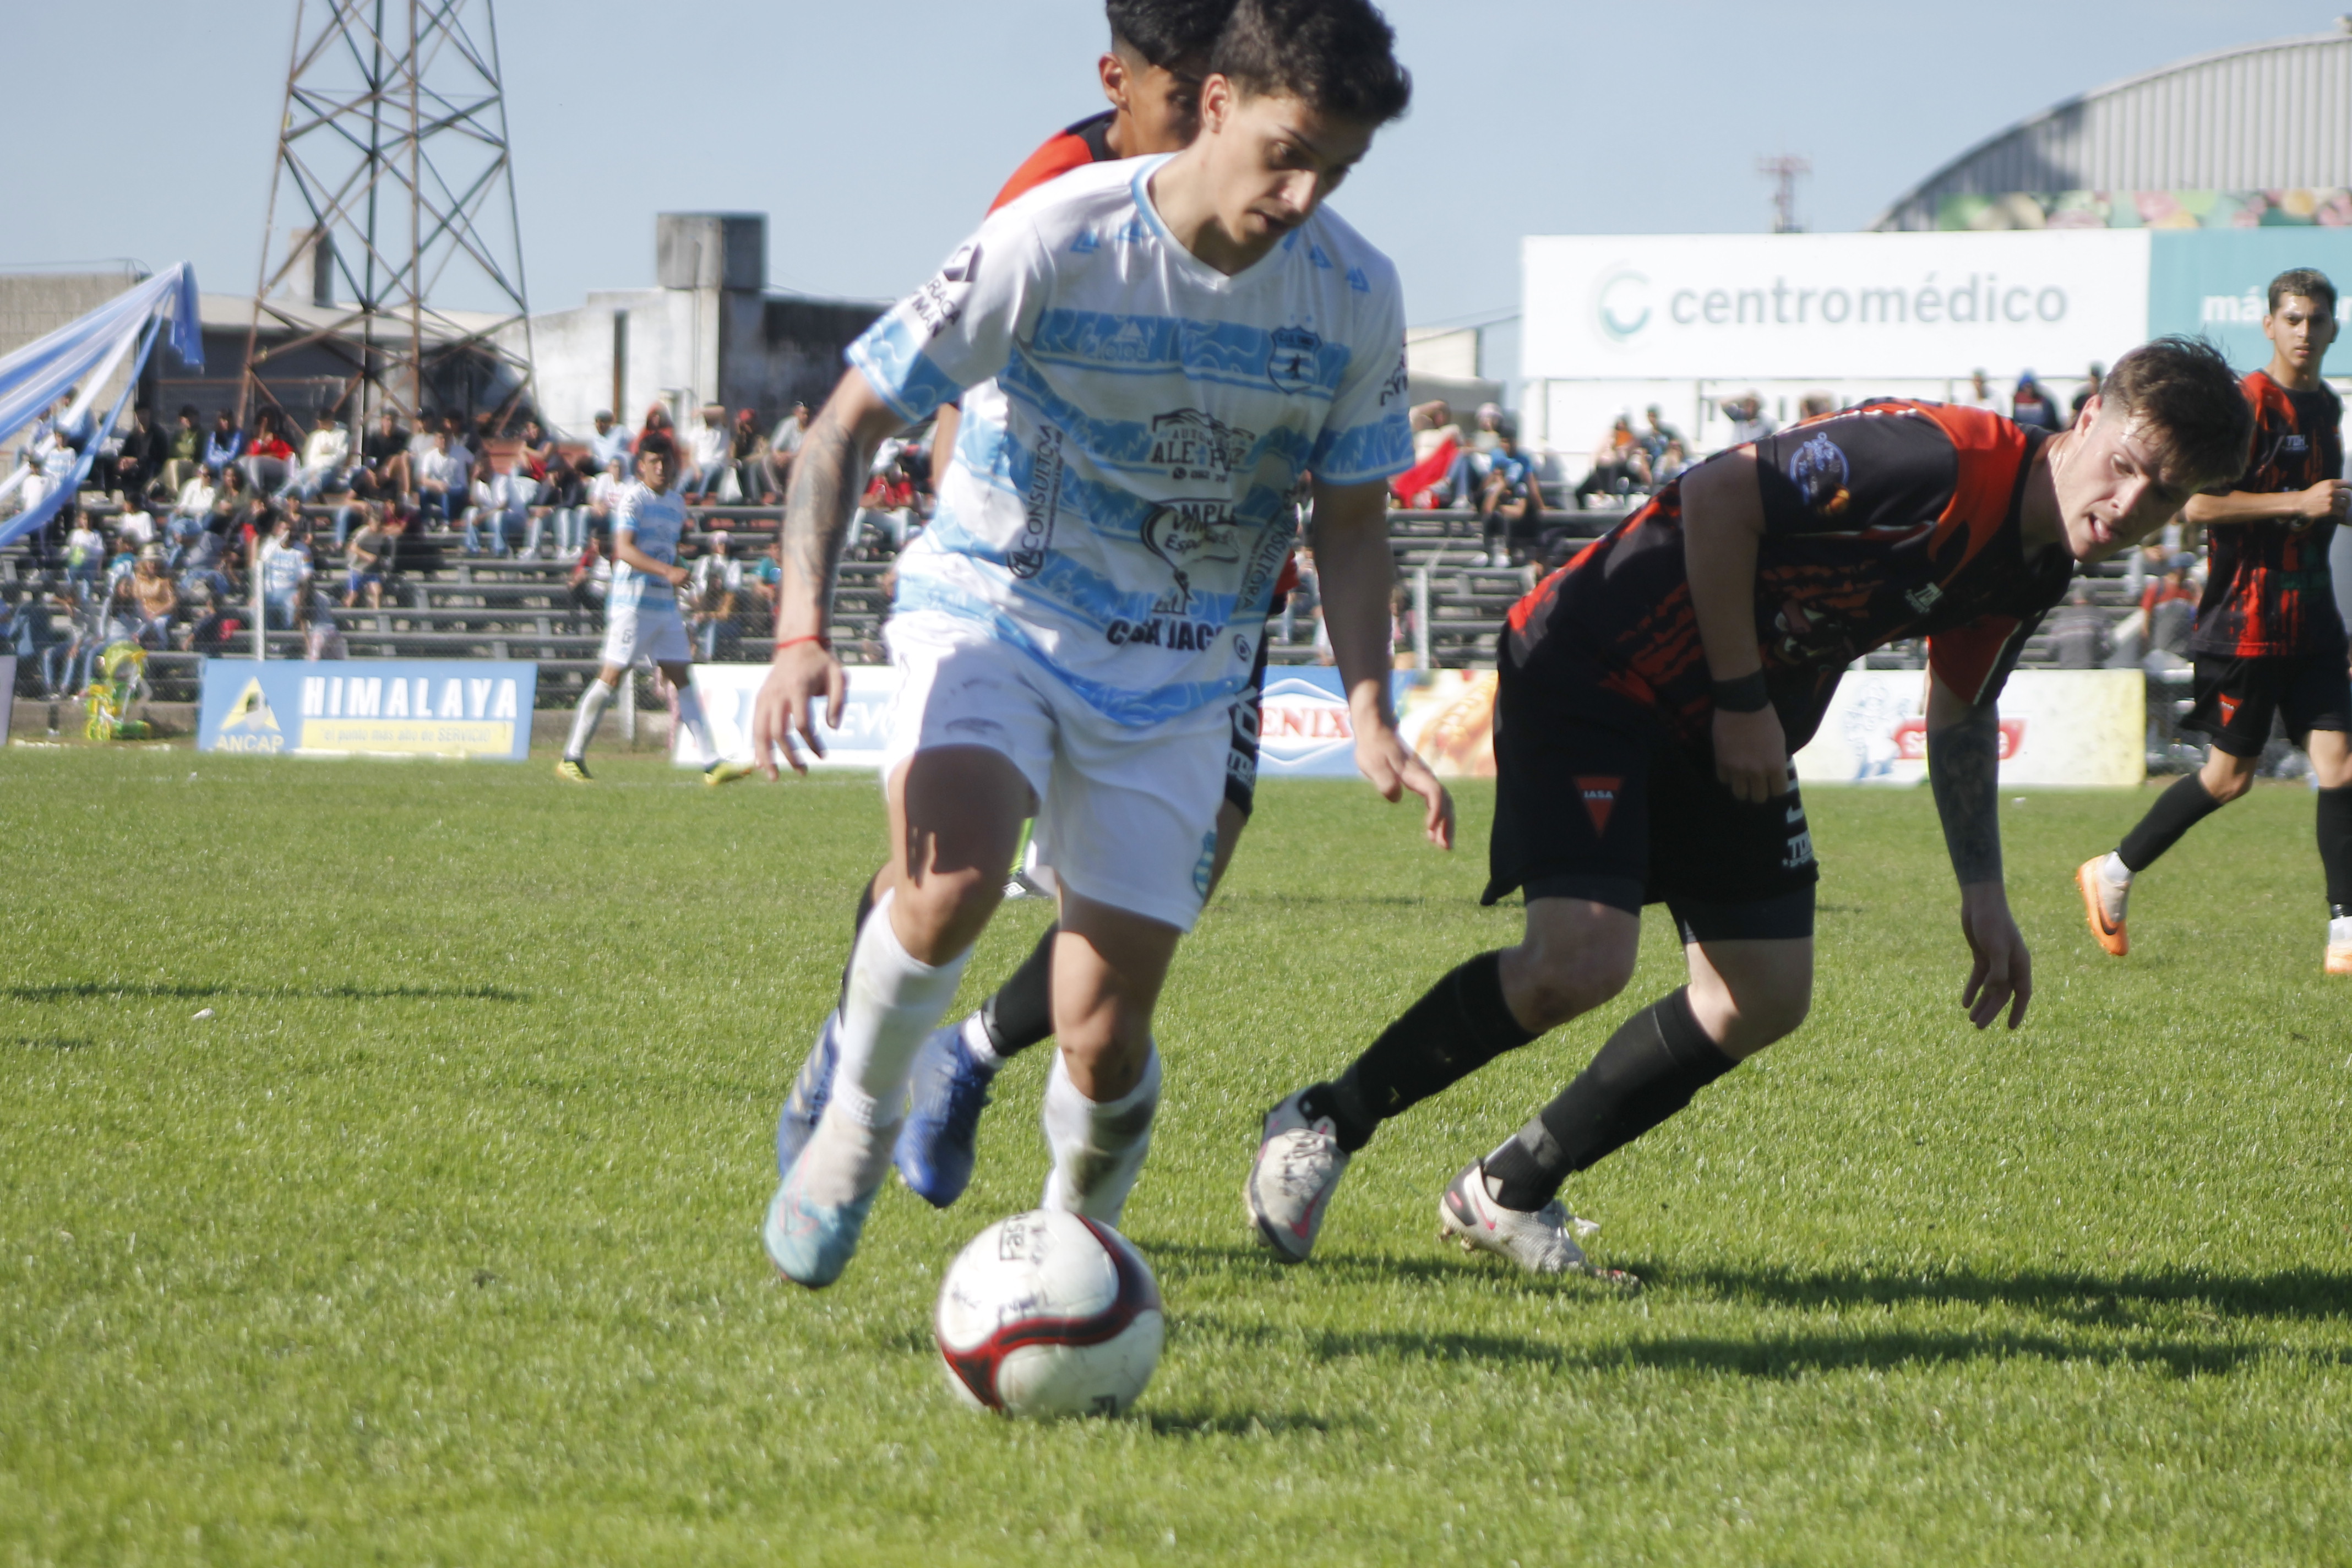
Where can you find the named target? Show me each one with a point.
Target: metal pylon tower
(392, 267)
(1783, 172)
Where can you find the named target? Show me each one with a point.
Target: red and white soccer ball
(1049, 1314)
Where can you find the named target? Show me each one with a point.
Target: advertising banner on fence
(368, 708)
(2074, 728)
(728, 692)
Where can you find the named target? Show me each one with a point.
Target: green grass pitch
(436, 1241)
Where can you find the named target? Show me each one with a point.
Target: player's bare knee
(2224, 781)
(941, 913)
(1551, 984)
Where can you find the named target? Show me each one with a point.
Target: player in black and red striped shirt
(2270, 639)
(1652, 692)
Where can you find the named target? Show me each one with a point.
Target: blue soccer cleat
(936, 1145)
(811, 1243)
(811, 1090)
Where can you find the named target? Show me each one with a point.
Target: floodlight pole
(402, 302)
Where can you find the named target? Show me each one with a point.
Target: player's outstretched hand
(800, 675)
(2001, 972)
(1382, 757)
(1751, 754)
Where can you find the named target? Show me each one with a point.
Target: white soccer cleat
(1298, 1166)
(2339, 946)
(1536, 1242)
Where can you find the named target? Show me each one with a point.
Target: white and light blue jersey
(653, 523)
(1134, 424)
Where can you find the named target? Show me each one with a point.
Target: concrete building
(708, 330)
(2162, 203)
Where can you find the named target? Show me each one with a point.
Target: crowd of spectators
(176, 533)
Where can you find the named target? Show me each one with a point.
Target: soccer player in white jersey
(1071, 630)
(641, 616)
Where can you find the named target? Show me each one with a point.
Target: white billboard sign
(1829, 306)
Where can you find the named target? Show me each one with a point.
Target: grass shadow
(184, 991)
(50, 1043)
(2087, 1297)
(1227, 1424)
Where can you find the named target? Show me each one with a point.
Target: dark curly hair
(2187, 392)
(1338, 57)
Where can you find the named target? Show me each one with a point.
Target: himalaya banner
(378, 708)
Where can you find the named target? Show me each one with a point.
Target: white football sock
(689, 715)
(976, 1041)
(584, 719)
(891, 1002)
(1098, 1147)
(2114, 869)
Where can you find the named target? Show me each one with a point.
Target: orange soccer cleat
(2107, 928)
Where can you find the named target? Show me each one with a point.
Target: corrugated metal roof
(2262, 117)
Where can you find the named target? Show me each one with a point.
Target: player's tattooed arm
(1964, 768)
(827, 479)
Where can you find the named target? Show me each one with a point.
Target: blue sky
(873, 134)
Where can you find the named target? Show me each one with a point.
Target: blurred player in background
(641, 617)
(1651, 694)
(1073, 629)
(2269, 635)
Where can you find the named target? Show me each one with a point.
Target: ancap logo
(1598, 791)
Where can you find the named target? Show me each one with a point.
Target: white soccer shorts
(1125, 815)
(654, 631)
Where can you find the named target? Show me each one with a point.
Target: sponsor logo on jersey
(1800, 852)
(1818, 470)
(938, 304)
(1922, 600)
(1399, 381)
(1599, 793)
(1039, 506)
(1291, 359)
(1190, 445)
(1170, 632)
(1186, 533)
(2295, 444)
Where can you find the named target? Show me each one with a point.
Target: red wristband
(819, 638)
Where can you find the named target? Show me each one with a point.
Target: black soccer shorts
(2234, 698)
(1593, 799)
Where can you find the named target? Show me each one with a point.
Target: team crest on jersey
(1189, 534)
(1291, 362)
(1190, 445)
(1818, 470)
(2228, 710)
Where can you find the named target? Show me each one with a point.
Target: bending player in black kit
(1652, 692)
(2270, 635)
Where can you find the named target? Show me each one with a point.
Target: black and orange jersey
(1074, 147)
(1891, 520)
(2267, 591)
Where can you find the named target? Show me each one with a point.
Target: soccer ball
(1049, 1314)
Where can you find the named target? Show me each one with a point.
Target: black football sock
(2176, 811)
(1460, 1024)
(2336, 847)
(1649, 1069)
(1020, 1013)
